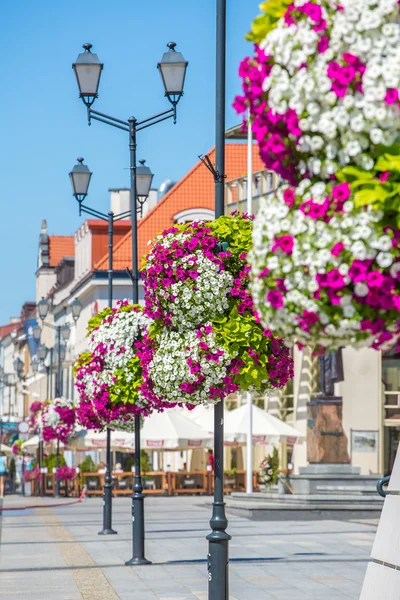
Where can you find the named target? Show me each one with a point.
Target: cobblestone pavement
(56, 554)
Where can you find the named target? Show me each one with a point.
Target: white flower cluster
(170, 370)
(192, 301)
(118, 336)
(50, 417)
(338, 323)
(338, 129)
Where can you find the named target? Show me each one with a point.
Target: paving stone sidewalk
(56, 554)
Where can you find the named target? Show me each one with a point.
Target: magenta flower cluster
(65, 473)
(276, 134)
(64, 428)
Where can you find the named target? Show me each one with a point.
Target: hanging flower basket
(324, 271)
(205, 341)
(34, 413)
(109, 378)
(58, 420)
(323, 98)
(323, 85)
(17, 449)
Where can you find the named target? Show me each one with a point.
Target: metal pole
(249, 444)
(138, 557)
(23, 475)
(58, 395)
(107, 492)
(218, 539)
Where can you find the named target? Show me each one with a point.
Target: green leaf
(370, 196)
(353, 173)
(388, 162)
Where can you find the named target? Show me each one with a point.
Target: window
(194, 214)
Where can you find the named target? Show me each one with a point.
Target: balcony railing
(236, 191)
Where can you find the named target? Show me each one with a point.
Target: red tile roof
(194, 190)
(60, 246)
(7, 329)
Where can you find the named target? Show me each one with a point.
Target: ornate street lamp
(76, 308)
(36, 332)
(80, 179)
(43, 308)
(35, 365)
(144, 177)
(42, 352)
(88, 70)
(65, 332)
(172, 68)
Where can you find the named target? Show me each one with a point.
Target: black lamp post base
(133, 562)
(108, 532)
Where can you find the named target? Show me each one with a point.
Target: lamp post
(172, 68)
(62, 332)
(80, 178)
(218, 539)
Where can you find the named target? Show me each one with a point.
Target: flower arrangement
(34, 412)
(110, 377)
(323, 96)
(269, 469)
(17, 448)
(65, 473)
(58, 420)
(204, 345)
(32, 474)
(323, 86)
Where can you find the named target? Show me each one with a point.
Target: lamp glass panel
(88, 77)
(173, 75)
(143, 184)
(80, 183)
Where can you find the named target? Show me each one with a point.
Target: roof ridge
(156, 207)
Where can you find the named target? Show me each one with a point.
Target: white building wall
(83, 251)
(361, 393)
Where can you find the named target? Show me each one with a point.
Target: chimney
(120, 200)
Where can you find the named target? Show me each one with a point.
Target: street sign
(23, 427)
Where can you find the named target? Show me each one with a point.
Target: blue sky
(43, 122)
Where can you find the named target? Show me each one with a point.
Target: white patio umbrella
(203, 415)
(120, 440)
(266, 428)
(172, 430)
(5, 449)
(33, 443)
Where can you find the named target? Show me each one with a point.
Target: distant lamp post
(42, 352)
(65, 332)
(36, 332)
(43, 308)
(76, 308)
(80, 179)
(144, 178)
(35, 365)
(88, 70)
(173, 69)
(18, 367)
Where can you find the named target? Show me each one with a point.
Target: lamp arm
(93, 212)
(122, 215)
(157, 119)
(103, 118)
(169, 112)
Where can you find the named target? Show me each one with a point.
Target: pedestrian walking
(3, 472)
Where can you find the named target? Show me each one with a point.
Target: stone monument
(326, 439)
